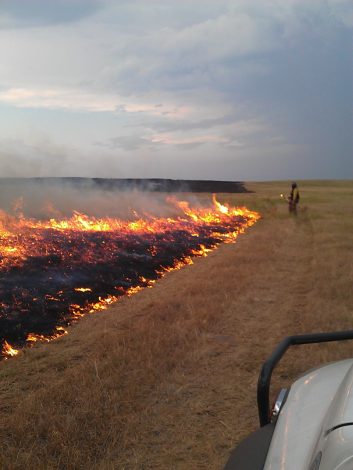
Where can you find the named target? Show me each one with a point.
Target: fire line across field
(53, 272)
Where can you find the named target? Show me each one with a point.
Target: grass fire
(167, 379)
(54, 271)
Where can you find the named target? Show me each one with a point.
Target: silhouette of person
(293, 199)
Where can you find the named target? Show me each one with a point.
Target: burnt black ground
(36, 296)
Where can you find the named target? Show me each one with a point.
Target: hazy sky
(194, 89)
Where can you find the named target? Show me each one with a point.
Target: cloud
(29, 13)
(138, 81)
(228, 132)
(172, 60)
(156, 141)
(168, 139)
(88, 101)
(57, 99)
(125, 142)
(209, 51)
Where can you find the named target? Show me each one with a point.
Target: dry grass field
(166, 379)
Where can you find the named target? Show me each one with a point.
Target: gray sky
(194, 89)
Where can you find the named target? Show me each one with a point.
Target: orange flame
(8, 350)
(17, 235)
(24, 238)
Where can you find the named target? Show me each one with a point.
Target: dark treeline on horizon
(141, 184)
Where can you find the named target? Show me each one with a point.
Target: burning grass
(43, 264)
(167, 378)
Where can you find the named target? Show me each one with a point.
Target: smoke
(45, 198)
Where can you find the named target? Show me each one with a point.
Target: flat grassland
(167, 379)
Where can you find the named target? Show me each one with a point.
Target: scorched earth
(53, 272)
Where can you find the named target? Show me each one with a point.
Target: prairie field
(166, 379)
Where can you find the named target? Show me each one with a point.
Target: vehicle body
(311, 426)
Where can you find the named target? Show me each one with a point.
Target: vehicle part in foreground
(311, 426)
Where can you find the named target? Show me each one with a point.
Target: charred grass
(166, 379)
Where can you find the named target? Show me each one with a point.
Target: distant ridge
(142, 184)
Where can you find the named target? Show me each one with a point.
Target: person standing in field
(293, 199)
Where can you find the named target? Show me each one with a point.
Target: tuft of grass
(166, 379)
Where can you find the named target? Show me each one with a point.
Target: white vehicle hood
(314, 422)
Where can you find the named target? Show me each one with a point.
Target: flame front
(55, 271)
(8, 350)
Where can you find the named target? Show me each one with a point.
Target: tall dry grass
(167, 379)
